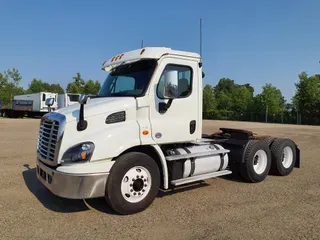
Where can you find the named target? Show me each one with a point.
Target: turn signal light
(145, 132)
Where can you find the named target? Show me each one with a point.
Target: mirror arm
(82, 124)
(165, 106)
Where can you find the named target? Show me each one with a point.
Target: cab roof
(144, 53)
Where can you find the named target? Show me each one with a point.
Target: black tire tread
(244, 169)
(269, 140)
(246, 155)
(121, 163)
(276, 150)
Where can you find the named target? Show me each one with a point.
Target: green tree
(226, 85)
(91, 87)
(233, 97)
(242, 98)
(79, 81)
(13, 76)
(9, 85)
(307, 97)
(271, 97)
(36, 85)
(56, 88)
(208, 101)
(73, 88)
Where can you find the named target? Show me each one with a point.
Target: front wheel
(133, 183)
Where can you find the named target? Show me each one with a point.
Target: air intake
(116, 117)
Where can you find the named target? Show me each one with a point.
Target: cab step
(199, 154)
(199, 177)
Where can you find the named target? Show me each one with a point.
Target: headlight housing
(81, 152)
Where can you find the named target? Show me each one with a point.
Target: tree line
(227, 100)
(10, 81)
(230, 101)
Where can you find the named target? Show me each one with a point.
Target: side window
(43, 97)
(184, 80)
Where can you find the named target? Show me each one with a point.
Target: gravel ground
(221, 208)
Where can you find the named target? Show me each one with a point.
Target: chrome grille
(48, 139)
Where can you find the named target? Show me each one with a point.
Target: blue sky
(250, 41)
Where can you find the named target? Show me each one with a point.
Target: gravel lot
(221, 208)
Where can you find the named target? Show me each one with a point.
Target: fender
(163, 162)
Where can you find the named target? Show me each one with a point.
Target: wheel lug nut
(139, 193)
(133, 179)
(141, 176)
(131, 185)
(131, 190)
(145, 185)
(143, 190)
(145, 180)
(134, 193)
(137, 176)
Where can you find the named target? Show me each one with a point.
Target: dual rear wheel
(261, 157)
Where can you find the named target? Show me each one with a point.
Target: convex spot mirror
(49, 102)
(170, 84)
(83, 99)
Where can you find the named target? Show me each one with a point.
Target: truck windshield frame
(129, 80)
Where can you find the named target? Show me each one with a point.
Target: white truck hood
(97, 106)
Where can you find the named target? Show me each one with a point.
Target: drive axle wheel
(133, 183)
(283, 156)
(256, 161)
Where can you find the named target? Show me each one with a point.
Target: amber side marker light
(145, 132)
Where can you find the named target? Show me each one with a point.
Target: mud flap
(297, 164)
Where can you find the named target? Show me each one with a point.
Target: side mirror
(83, 99)
(49, 102)
(171, 84)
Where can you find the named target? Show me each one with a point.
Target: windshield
(128, 80)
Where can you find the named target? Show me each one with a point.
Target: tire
(283, 152)
(256, 162)
(126, 193)
(269, 140)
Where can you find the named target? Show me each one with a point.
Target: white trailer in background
(67, 99)
(31, 105)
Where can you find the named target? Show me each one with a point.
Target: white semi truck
(143, 133)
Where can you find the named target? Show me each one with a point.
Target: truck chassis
(235, 151)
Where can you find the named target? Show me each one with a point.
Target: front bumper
(72, 185)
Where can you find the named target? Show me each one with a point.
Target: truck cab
(143, 132)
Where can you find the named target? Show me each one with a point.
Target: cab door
(175, 119)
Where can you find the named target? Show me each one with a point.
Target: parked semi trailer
(67, 99)
(30, 105)
(143, 132)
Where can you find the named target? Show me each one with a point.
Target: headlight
(81, 152)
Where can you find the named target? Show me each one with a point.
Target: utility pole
(142, 43)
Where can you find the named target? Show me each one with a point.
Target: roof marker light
(142, 51)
